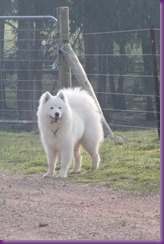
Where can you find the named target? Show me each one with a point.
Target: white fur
(66, 122)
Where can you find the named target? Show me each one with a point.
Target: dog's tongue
(53, 120)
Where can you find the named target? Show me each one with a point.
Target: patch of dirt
(33, 208)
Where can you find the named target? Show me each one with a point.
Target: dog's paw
(47, 175)
(61, 175)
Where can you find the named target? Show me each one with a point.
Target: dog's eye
(59, 108)
(51, 107)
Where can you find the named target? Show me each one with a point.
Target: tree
(86, 16)
(5, 9)
(25, 46)
(108, 15)
(2, 85)
(146, 14)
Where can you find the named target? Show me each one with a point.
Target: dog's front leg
(51, 157)
(66, 157)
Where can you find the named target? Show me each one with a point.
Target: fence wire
(29, 66)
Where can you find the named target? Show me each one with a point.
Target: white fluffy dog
(66, 122)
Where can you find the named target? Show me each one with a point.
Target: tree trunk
(2, 85)
(121, 100)
(148, 82)
(24, 82)
(101, 84)
(111, 70)
(37, 64)
(89, 42)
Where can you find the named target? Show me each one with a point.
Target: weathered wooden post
(69, 59)
(63, 29)
(156, 82)
(84, 82)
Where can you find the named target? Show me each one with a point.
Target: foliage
(24, 64)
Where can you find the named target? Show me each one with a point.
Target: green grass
(21, 152)
(134, 166)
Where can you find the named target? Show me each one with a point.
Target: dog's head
(53, 107)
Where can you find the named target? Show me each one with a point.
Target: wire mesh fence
(29, 66)
(126, 91)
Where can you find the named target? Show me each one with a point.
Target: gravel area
(33, 208)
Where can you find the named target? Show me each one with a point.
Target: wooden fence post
(84, 82)
(156, 82)
(69, 59)
(63, 28)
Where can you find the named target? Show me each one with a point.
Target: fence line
(12, 121)
(53, 45)
(126, 110)
(35, 122)
(85, 55)
(105, 109)
(127, 75)
(92, 74)
(145, 76)
(118, 54)
(97, 92)
(125, 94)
(132, 126)
(121, 31)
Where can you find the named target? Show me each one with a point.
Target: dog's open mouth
(54, 119)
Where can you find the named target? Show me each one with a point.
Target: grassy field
(135, 165)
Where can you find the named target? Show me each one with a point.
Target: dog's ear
(62, 96)
(45, 97)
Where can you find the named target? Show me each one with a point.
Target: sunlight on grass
(135, 165)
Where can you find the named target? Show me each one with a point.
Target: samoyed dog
(66, 122)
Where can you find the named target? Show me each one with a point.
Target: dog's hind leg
(95, 160)
(93, 152)
(51, 156)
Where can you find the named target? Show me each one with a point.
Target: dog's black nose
(57, 114)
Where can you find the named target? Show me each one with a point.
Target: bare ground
(33, 208)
